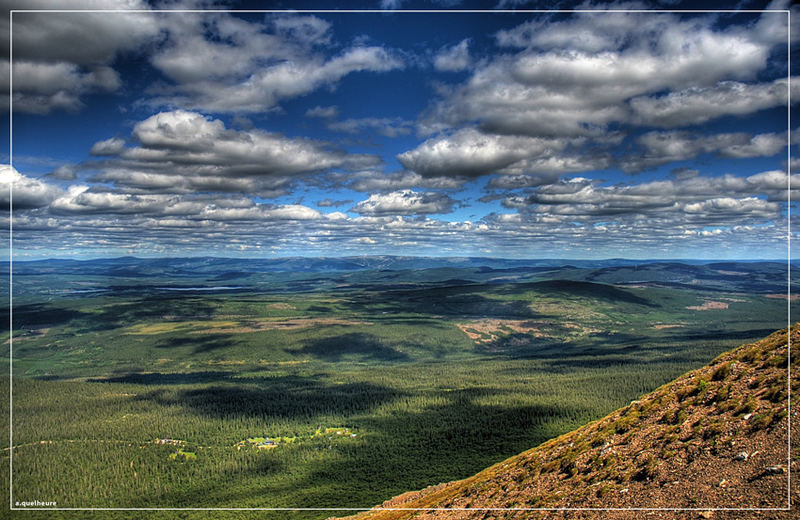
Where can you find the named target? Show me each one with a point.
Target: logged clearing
(668, 326)
(791, 298)
(489, 330)
(707, 306)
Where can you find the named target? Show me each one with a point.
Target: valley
(339, 383)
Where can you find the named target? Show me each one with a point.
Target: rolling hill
(713, 443)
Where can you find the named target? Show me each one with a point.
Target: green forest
(251, 395)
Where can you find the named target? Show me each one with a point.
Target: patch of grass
(761, 421)
(748, 406)
(722, 371)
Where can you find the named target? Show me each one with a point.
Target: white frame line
(409, 11)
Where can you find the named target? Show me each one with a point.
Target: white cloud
(698, 105)
(215, 61)
(27, 193)
(371, 181)
(65, 172)
(405, 202)
(470, 153)
(59, 58)
(330, 112)
(575, 77)
(663, 147)
(255, 87)
(112, 146)
(453, 59)
(694, 199)
(182, 151)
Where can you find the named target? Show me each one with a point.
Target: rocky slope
(716, 438)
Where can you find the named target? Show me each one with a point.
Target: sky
(600, 131)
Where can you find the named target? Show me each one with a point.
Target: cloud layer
(587, 134)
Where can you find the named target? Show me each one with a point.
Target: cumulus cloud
(471, 153)
(663, 147)
(575, 77)
(698, 105)
(83, 200)
(40, 88)
(213, 61)
(181, 151)
(371, 181)
(690, 199)
(405, 202)
(24, 192)
(259, 68)
(112, 146)
(59, 58)
(65, 172)
(453, 59)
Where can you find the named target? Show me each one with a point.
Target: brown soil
(713, 439)
(488, 330)
(707, 306)
(792, 297)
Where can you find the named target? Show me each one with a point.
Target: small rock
(747, 416)
(723, 483)
(625, 490)
(775, 469)
(705, 514)
(741, 456)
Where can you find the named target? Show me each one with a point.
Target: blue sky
(512, 134)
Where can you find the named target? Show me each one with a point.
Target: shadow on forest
(286, 396)
(525, 346)
(109, 317)
(751, 334)
(149, 308)
(628, 350)
(411, 450)
(167, 378)
(466, 300)
(201, 343)
(365, 347)
(574, 288)
(38, 315)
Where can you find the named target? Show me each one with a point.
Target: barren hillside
(716, 438)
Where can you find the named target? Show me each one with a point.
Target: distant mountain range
(314, 274)
(132, 266)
